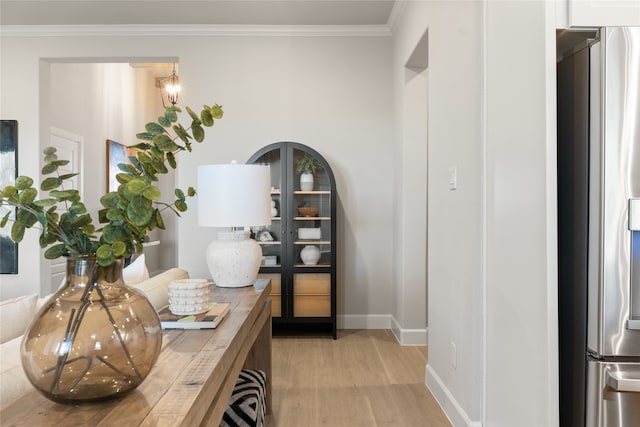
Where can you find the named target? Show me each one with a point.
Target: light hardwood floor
(364, 378)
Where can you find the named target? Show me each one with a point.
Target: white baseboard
(447, 402)
(383, 321)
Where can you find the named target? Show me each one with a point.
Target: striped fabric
(247, 406)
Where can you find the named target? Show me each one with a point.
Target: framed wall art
(8, 174)
(116, 153)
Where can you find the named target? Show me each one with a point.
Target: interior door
(69, 146)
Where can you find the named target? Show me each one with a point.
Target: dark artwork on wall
(8, 173)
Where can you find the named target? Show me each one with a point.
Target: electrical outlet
(454, 356)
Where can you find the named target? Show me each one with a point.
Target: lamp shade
(233, 195)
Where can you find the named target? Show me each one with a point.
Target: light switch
(453, 177)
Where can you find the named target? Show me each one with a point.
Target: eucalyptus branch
(128, 214)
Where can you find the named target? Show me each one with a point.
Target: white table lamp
(235, 196)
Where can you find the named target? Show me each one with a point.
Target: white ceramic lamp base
(234, 259)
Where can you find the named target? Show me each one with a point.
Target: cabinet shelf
(300, 265)
(312, 218)
(271, 243)
(312, 192)
(275, 218)
(312, 242)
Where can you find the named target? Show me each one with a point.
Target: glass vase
(94, 339)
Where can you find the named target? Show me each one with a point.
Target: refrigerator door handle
(616, 381)
(634, 226)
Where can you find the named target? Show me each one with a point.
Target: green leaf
(68, 175)
(181, 205)
(159, 220)
(216, 111)
(77, 208)
(47, 151)
(115, 215)
(110, 200)
(165, 143)
(181, 132)
(164, 121)
(49, 168)
(172, 160)
(5, 219)
(23, 182)
(171, 115)
(17, 231)
(193, 115)
(50, 184)
(45, 202)
(127, 168)
(151, 193)
(154, 128)
(123, 178)
(143, 157)
(158, 165)
(104, 251)
(179, 194)
(135, 187)
(206, 118)
(28, 196)
(139, 211)
(145, 136)
(198, 132)
(191, 191)
(112, 233)
(9, 191)
(56, 251)
(65, 195)
(119, 248)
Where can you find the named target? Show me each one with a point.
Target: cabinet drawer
(312, 284)
(312, 306)
(275, 281)
(276, 298)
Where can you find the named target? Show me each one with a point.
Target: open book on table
(209, 319)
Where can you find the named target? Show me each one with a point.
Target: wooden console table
(191, 382)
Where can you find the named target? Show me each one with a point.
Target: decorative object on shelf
(264, 236)
(310, 255)
(95, 338)
(234, 195)
(169, 88)
(94, 310)
(269, 260)
(306, 167)
(189, 296)
(308, 211)
(309, 233)
(274, 210)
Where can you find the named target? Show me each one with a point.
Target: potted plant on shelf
(95, 338)
(306, 166)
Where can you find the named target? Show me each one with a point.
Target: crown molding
(396, 13)
(195, 30)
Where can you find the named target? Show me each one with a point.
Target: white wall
(491, 244)
(331, 93)
(521, 348)
(454, 220)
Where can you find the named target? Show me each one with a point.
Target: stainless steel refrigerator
(599, 229)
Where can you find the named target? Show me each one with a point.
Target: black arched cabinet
(299, 247)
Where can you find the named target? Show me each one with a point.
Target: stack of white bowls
(189, 296)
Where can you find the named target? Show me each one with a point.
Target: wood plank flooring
(364, 378)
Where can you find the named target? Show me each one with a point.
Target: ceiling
(201, 12)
